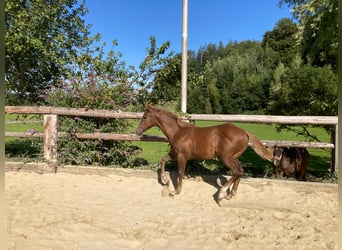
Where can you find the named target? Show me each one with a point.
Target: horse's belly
(195, 153)
(203, 150)
(201, 146)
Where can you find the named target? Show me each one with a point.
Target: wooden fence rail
(51, 134)
(153, 138)
(98, 113)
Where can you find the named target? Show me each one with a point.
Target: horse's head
(277, 155)
(148, 119)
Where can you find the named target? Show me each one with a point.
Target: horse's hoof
(165, 182)
(222, 194)
(172, 194)
(221, 202)
(228, 196)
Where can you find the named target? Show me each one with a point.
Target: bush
(95, 92)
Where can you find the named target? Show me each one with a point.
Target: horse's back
(226, 130)
(208, 142)
(232, 132)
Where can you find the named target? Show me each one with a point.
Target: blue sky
(132, 22)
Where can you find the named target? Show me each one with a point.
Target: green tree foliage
(156, 78)
(253, 77)
(232, 80)
(207, 54)
(52, 60)
(42, 38)
(303, 90)
(166, 83)
(317, 30)
(100, 81)
(281, 41)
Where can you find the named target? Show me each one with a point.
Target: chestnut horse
(188, 142)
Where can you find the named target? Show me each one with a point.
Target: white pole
(184, 55)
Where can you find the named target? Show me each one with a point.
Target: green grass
(23, 149)
(15, 123)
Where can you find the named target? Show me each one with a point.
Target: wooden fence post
(335, 150)
(50, 138)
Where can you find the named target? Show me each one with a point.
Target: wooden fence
(51, 132)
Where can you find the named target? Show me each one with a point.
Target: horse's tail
(259, 148)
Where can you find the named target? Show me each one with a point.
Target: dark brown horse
(188, 142)
(291, 161)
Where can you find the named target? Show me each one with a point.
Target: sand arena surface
(115, 211)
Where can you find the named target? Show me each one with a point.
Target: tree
(42, 38)
(303, 90)
(234, 82)
(317, 30)
(51, 59)
(101, 81)
(282, 41)
(166, 83)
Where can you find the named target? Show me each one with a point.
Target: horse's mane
(180, 121)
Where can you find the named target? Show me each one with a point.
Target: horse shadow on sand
(194, 170)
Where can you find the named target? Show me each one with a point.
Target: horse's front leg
(163, 178)
(181, 170)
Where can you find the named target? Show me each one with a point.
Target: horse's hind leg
(237, 181)
(302, 171)
(237, 171)
(304, 164)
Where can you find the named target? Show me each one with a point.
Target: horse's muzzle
(276, 160)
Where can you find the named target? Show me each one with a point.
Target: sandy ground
(115, 211)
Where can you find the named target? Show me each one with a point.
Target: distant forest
(274, 76)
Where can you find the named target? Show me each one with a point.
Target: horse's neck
(169, 126)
